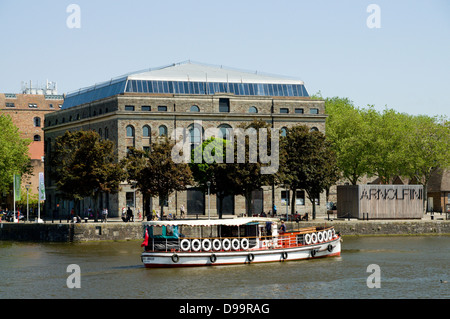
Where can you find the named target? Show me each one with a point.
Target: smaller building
(27, 111)
(380, 201)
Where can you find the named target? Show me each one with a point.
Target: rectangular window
(300, 198)
(224, 105)
(32, 105)
(299, 111)
(9, 104)
(146, 108)
(314, 111)
(130, 199)
(284, 110)
(129, 107)
(162, 108)
(285, 197)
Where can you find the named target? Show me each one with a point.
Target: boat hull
(216, 258)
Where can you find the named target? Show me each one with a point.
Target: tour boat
(183, 243)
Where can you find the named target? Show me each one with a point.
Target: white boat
(183, 243)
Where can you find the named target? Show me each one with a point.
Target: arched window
(195, 135)
(37, 122)
(130, 131)
(283, 131)
(146, 131)
(163, 130)
(225, 131)
(314, 129)
(195, 108)
(252, 109)
(37, 138)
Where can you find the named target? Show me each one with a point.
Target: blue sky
(404, 65)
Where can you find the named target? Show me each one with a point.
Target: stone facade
(111, 117)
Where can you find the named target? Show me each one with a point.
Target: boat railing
(289, 239)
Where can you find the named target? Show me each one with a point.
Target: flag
(145, 242)
(41, 186)
(17, 180)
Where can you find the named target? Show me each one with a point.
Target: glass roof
(189, 78)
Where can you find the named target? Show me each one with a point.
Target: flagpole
(14, 188)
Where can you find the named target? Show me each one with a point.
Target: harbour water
(409, 267)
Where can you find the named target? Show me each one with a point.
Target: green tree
(307, 162)
(213, 170)
(246, 171)
(155, 173)
(348, 133)
(84, 165)
(14, 158)
(427, 149)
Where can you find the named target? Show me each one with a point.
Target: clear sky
(404, 64)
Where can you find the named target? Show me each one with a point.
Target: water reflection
(411, 267)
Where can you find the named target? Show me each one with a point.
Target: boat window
(169, 231)
(157, 231)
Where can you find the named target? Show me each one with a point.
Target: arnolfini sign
(380, 201)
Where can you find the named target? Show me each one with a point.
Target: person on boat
(282, 228)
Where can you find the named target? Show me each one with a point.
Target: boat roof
(210, 222)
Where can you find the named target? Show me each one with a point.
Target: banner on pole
(17, 181)
(41, 186)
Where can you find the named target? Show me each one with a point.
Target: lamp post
(27, 186)
(208, 183)
(287, 201)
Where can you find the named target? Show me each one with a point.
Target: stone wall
(49, 232)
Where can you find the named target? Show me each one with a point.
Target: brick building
(134, 110)
(27, 111)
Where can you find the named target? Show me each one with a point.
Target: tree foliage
(14, 158)
(307, 162)
(155, 173)
(83, 165)
(386, 144)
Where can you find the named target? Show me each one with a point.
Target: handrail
(287, 239)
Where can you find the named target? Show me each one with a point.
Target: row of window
(224, 107)
(30, 105)
(299, 198)
(195, 133)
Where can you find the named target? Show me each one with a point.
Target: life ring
(175, 258)
(185, 245)
(251, 257)
(320, 237)
(325, 236)
(213, 258)
(235, 244)
(330, 234)
(308, 239)
(206, 245)
(330, 248)
(216, 244)
(284, 255)
(196, 245)
(314, 238)
(313, 253)
(245, 244)
(226, 244)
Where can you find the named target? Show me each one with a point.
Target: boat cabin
(167, 235)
